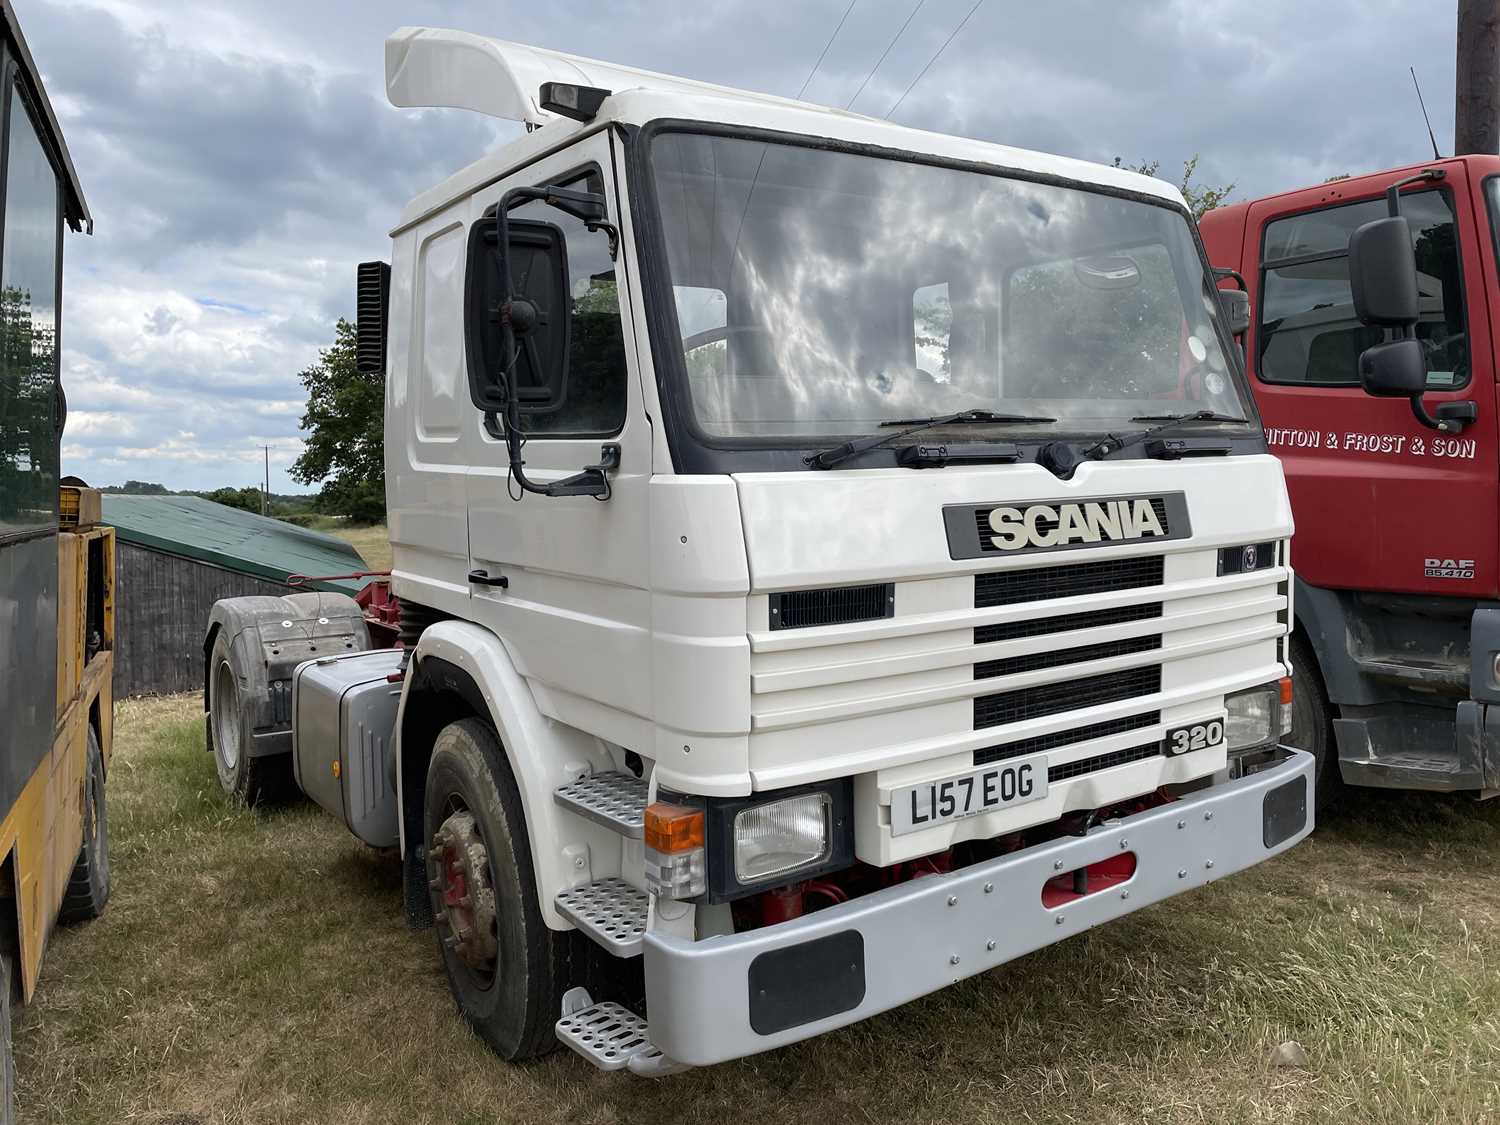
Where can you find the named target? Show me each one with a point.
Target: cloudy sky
(240, 158)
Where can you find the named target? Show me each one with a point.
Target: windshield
(821, 293)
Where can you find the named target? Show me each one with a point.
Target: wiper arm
(1113, 443)
(828, 458)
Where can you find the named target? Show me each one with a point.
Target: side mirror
(1383, 274)
(533, 311)
(372, 295)
(1395, 369)
(1236, 306)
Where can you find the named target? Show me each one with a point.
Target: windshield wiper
(828, 458)
(1113, 443)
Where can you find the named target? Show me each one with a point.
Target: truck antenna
(1436, 155)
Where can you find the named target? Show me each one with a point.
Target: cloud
(240, 159)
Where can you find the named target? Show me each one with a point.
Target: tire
(507, 970)
(88, 886)
(246, 779)
(1312, 724)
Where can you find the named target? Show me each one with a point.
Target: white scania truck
(832, 559)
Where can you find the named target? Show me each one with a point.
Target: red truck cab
(1397, 597)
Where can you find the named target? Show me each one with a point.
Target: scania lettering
(811, 536)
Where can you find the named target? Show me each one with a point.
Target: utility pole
(265, 497)
(1476, 119)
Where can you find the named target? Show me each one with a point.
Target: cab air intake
(836, 605)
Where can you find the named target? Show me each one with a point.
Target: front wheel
(507, 970)
(1312, 724)
(88, 887)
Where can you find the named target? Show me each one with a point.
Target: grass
(371, 542)
(254, 967)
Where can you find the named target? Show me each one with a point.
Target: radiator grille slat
(1040, 742)
(1070, 695)
(1066, 623)
(840, 605)
(1035, 661)
(1102, 762)
(1011, 587)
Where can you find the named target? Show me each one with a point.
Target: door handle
(485, 578)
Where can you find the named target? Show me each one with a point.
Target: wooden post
(1477, 81)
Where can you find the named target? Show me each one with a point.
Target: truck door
(1382, 503)
(574, 613)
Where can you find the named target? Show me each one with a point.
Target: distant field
(254, 967)
(370, 542)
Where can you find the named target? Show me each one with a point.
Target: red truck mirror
(1395, 369)
(1383, 273)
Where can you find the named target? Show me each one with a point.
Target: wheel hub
(458, 871)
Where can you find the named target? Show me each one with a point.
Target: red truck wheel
(1312, 723)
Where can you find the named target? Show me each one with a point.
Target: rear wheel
(506, 968)
(88, 887)
(247, 779)
(1312, 723)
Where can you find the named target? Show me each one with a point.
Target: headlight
(1258, 716)
(781, 836)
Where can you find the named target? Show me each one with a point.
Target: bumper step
(611, 912)
(609, 1035)
(615, 800)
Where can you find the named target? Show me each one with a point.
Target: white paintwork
(642, 624)
(434, 67)
(543, 755)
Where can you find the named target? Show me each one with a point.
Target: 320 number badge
(1195, 736)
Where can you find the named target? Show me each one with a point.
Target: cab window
(1308, 332)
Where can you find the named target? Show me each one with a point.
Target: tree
(246, 499)
(1201, 198)
(346, 435)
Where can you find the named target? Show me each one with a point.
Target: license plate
(999, 786)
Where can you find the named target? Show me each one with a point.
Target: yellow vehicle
(56, 566)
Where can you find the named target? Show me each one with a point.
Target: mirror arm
(1393, 193)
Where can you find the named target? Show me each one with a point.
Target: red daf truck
(1370, 345)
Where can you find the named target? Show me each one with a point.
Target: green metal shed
(176, 556)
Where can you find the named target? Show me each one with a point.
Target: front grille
(838, 605)
(987, 533)
(1041, 742)
(1032, 662)
(1069, 695)
(1066, 623)
(1044, 583)
(1102, 762)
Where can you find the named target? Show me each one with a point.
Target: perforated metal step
(616, 800)
(611, 911)
(608, 1035)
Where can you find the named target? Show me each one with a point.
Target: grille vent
(1041, 626)
(370, 304)
(1044, 583)
(1071, 695)
(987, 533)
(1042, 742)
(838, 605)
(1102, 762)
(1033, 662)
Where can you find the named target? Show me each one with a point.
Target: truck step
(615, 800)
(611, 912)
(609, 1035)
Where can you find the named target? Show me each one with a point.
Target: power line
(827, 45)
(849, 104)
(932, 60)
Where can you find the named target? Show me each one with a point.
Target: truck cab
(1397, 618)
(833, 560)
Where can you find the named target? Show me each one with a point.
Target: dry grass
(370, 542)
(254, 968)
